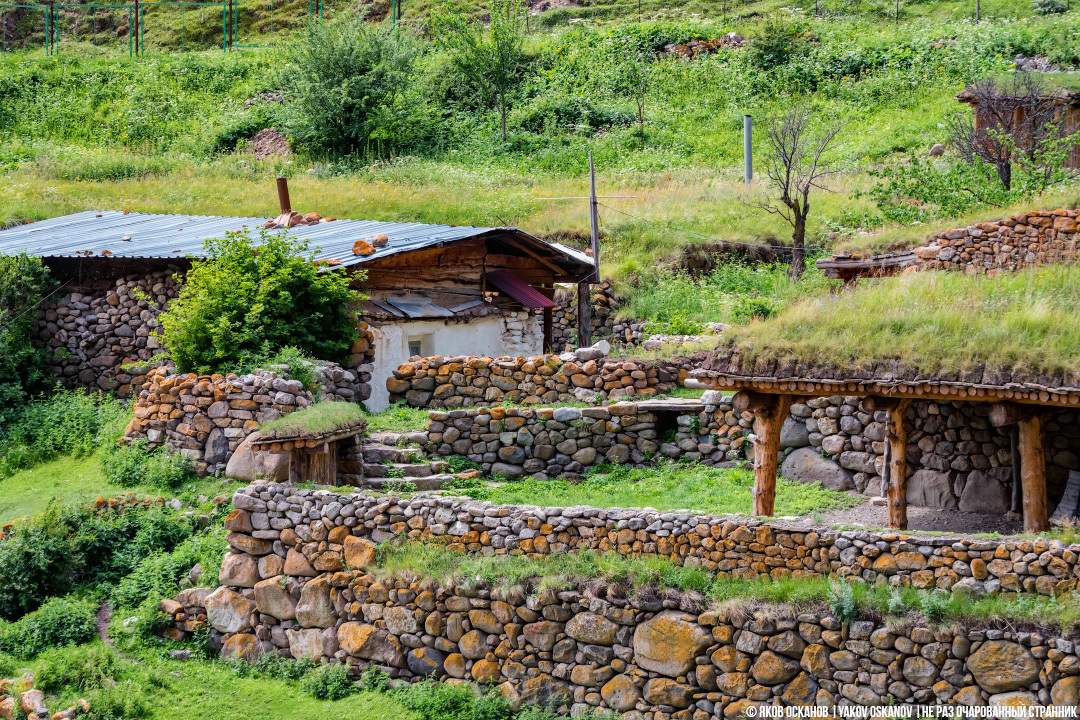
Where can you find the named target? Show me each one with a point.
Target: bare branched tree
(1014, 120)
(795, 164)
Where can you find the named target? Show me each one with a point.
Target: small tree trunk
(1004, 172)
(798, 251)
(502, 114)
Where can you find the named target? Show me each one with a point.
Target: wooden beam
(1002, 414)
(549, 331)
(767, 424)
(559, 272)
(748, 400)
(896, 489)
(1033, 474)
(584, 315)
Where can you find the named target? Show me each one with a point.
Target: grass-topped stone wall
(311, 583)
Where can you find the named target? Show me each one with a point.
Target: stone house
(433, 289)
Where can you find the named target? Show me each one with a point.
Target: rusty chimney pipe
(283, 195)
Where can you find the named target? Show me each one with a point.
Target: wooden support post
(549, 331)
(897, 466)
(584, 314)
(768, 421)
(1033, 474)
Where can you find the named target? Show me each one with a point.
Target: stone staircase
(387, 460)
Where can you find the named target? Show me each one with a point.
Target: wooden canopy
(1015, 403)
(313, 454)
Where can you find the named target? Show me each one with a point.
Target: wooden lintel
(873, 403)
(768, 422)
(1003, 414)
(896, 475)
(748, 400)
(559, 272)
(1033, 474)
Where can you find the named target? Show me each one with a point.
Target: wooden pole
(897, 466)
(549, 335)
(584, 314)
(594, 221)
(767, 424)
(1033, 475)
(1014, 455)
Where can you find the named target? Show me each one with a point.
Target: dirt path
(926, 519)
(104, 617)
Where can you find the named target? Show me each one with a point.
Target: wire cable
(16, 318)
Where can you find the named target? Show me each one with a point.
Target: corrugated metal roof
(102, 233)
(518, 289)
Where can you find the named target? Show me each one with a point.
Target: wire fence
(156, 26)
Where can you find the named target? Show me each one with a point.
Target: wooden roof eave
(1023, 393)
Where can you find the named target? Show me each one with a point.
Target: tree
(629, 76)
(1017, 121)
(343, 81)
(491, 57)
(795, 165)
(23, 279)
(253, 298)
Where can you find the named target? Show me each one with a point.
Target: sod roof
(929, 327)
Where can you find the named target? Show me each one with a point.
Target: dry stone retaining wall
(207, 417)
(454, 382)
(1035, 238)
(293, 582)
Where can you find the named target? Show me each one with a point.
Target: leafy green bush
(251, 298)
(748, 307)
(68, 422)
(78, 668)
(328, 682)
(68, 546)
(842, 601)
(160, 573)
(59, 622)
(679, 324)
(136, 463)
(343, 82)
(432, 700)
(23, 280)
(776, 44)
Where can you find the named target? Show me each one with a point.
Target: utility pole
(583, 300)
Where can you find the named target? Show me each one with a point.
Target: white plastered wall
(493, 336)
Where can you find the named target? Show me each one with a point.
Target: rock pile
(585, 375)
(694, 48)
(605, 305)
(207, 417)
(89, 336)
(19, 699)
(298, 587)
(1044, 237)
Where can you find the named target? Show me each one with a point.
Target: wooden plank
(1033, 475)
(559, 272)
(767, 424)
(897, 467)
(584, 313)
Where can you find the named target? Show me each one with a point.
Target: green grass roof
(317, 419)
(931, 326)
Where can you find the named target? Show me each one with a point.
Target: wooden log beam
(584, 315)
(1033, 475)
(1004, 413)
(767, 424)
(753, 401)
(897, 465)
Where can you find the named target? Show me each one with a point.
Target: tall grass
(935, 322)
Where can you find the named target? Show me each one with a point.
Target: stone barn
(433, 289)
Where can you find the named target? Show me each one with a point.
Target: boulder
(545, 691)
(315, 608)
(808, 466)
(305, 644)
(426, 662)
(370, 643)
(228, 611)
(773, 669)
(620, 693)
(217, 447)
(1000, 666)
(985, 494)
(240, 647)
(542, 635)
(246, 464)
(273, 599)
(931, 488)
(661, 691)
(794, 434)
(239, 570)
(591, 628)
(1015, 700)
(669, 642)
(359, 553)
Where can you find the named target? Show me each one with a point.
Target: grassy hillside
(167, 132)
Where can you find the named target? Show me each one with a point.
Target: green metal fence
(54, 31)
(202, 6)
(7, 10)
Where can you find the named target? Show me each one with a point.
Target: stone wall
(207, 417)
(1044, 237)
(585, 376)
(91, 334)
(294, 582)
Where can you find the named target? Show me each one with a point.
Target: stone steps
(380, 453)
(407, 470)
(430, 482)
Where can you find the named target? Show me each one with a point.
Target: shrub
(776, 44)
(328, 682)
(344, 80)
(79, 668)
(842, 601)
(23, 279)
(679, 324)
(160, 573)
(59, 622)
(252, 298)
(69, 422)
(136, 463)
(748, 307)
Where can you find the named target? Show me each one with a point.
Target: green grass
(320, 417)
(696, 488)
(398, 418)
(77, 480)
(932, 322)
(158, 688)
(511, 576)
